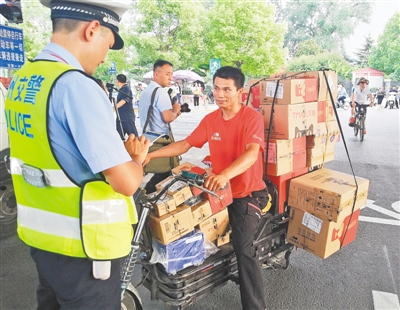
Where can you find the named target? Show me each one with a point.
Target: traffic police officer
(73, 176)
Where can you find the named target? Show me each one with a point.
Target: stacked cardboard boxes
(301, 136)
(185, 211)
(324, 210)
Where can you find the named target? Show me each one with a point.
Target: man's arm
(121, 103)
(170, 115)
(240, 165)
(371, 100)
(171, 150)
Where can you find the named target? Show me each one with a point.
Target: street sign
(113, 68)
(11, 47)
(215, 64)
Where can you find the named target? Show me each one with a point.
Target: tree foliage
(244, 34)
(167, 29)
(308, 47)
(36, 27)
(364, 52)
(326, 60)
(327, 22)
(386, 55)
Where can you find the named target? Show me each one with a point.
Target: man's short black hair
(232, 73)
(161, 63)
(121, 78)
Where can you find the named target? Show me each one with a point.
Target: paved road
(353, 278)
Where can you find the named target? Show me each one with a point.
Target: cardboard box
(179, 254)
(179, 190)
(321, 145)
(221, 240)
(330, 112)
(171, 226)
(322, 110)
(332, 78)
(201, 211)
(327, 194)
(224, 200)
(290, 121)
(163, 205)
(215, 226)
(255, 100)
(285, 156)
(321, 237)
(282, 186)
(290, 91)
(245, 95)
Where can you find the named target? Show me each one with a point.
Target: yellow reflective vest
(55, 213)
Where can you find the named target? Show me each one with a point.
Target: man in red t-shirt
(235, 134)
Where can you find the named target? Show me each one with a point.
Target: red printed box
(224, 200)
(321, 237)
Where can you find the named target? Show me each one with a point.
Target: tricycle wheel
(8, 204)
(128, 302)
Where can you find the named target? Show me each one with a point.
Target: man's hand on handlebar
(216, 182)
(137, 147)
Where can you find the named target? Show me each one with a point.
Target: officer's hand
(216, 182)
(137, 147)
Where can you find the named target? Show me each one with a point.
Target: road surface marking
(370, 204)
(385, 301)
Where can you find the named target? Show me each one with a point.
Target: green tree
(386, 55)
(332, 61)
(245, 35)
(308, 47)
(36, 27)
(167, 29)
(327, 22)
(364, 52)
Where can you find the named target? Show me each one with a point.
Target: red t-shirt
(227, 141)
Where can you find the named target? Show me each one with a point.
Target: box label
(312, 222)
(270, 90)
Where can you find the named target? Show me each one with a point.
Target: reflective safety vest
(55, 213)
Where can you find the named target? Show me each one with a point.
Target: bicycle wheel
(356, 126)
(362, 127)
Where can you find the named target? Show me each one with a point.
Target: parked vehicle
(8, 204)
(392, 100)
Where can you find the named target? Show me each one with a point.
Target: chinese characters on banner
(11, 47)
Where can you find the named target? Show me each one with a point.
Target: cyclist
(359, 99)
(342, 94)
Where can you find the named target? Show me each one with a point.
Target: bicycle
(343, 103)
(360, 117)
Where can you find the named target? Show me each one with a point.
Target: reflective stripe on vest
(56, 178)
(89, 220)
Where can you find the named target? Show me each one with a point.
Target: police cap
(108, 13)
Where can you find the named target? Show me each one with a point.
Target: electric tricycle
(183, 288)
